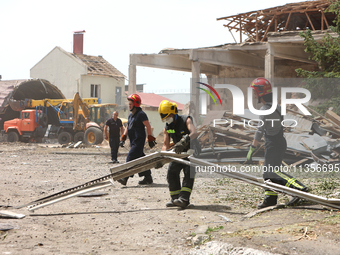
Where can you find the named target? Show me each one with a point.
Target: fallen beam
(150, 161)
(124, 170)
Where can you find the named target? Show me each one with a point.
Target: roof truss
(295, 16)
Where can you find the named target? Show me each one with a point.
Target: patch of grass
(213, 191)
(208, 239)
(209, 230)
(223, 181)
(332, 220)
(328, 184)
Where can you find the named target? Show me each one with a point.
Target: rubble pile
(226, 138)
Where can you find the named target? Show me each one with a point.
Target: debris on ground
(225, 138)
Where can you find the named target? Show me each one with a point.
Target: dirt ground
(134, 220)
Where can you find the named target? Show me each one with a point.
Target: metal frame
(150, 161)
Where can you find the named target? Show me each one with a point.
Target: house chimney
(78, 41)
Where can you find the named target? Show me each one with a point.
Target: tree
(324, 83)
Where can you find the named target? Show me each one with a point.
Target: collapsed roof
(97, 65)
(295, 16)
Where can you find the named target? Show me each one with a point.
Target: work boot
(181, 202)
(268, 201)
(123, 181)
(170, 204)
(295, 200)
(146, 180)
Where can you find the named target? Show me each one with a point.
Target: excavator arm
(78, 118)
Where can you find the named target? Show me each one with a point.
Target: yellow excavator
(70, 120)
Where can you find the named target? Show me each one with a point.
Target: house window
(95, 90)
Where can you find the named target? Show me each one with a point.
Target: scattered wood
(269, 208)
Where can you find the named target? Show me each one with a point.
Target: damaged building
(269, 46)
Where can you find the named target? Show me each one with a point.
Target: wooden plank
(310, 22)
(287, 22)
(318, 114)
(269, 208)
(333, 116)
(257, 30)
(299, 162)
(324, 17)
(265, 34)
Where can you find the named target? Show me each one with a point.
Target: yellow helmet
(166, 108)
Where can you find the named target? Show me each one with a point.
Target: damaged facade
(91, 76)
(273, 49)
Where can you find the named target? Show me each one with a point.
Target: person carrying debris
(115, 126)
(181, 130)
(275, 144)
(135, 129)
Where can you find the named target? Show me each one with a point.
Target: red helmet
(261, 86)
(135, 99)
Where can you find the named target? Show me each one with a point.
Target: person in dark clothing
(181, 130)
(275, 145)
(115, 126)
(135, 129)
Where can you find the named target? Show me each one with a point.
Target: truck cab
(25, 127)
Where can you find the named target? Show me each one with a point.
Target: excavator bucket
(16, 105)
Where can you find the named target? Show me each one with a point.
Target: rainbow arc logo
(209, 93)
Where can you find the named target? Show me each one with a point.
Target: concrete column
(269, 63)
(196, 71)
(132, 75)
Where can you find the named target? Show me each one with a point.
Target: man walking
(115, 126)
(275, 144)
(135, 129)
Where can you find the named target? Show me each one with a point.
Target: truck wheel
(93, 136)
(64, 138)
(12, 137)
(78, 137)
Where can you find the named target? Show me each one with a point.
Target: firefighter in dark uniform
(275, 144)
(135, 129)
(181, 130)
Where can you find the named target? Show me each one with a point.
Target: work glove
(122, 140)
(182, 145)
(152, 141)
(252, 149)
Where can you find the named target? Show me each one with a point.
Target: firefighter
(275, 144)
(181, 130)
(135, 129)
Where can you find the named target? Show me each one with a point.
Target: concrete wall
(108, 87)
(60, 69)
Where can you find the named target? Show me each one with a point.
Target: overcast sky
(30, 29)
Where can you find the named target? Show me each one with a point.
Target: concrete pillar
(269, 63)
(132, 75)
(194, 91)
